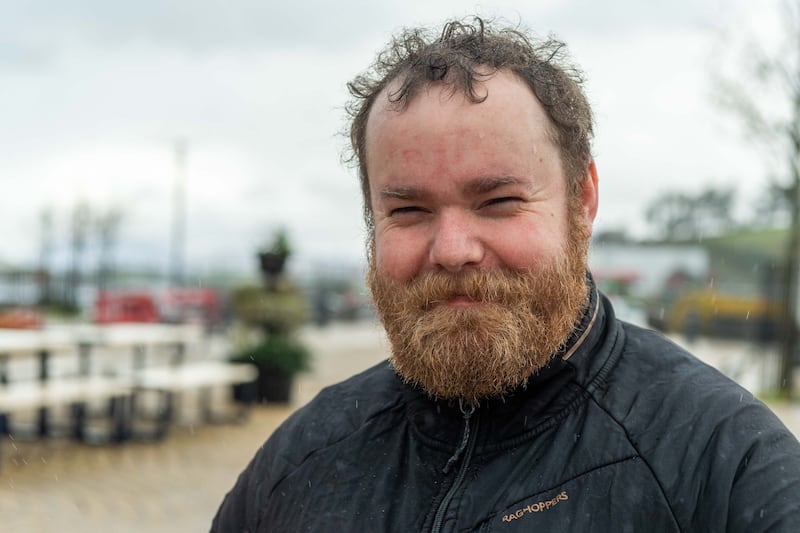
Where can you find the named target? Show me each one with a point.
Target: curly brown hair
(459, 57)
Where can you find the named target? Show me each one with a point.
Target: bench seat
(56, 392)
(202, 376)
(194, 375)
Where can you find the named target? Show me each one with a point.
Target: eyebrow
(476, 187)
(486, 185)
(402, 193)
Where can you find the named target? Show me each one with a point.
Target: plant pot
(274, 386)
(272, 263)
(271, 386)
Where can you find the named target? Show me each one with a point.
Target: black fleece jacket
(629, 433)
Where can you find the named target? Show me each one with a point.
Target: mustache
(430, 289)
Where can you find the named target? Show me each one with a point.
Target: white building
(645, 267)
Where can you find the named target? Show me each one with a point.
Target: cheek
(400, 257)
(522, 247)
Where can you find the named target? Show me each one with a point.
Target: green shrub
(280, 352)
(283, 310)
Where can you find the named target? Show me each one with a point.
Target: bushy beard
(481, 351)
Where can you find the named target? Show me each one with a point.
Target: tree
(771, 208)
(680, 216)
(670, 214)
(714, 211)
(764, 94)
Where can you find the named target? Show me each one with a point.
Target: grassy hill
(747, 257)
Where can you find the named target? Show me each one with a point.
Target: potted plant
(270, 314)
(280, 310)
(278, 358)
(272, 259)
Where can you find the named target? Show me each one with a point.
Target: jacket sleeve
(765, 495)
(737, 474)
(242, 509)
(237, 514)
(725, 462)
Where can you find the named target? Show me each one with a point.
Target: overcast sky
(94, 94)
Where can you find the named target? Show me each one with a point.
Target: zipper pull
(466, 412)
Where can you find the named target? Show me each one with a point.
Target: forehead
(501, 91)
(506, 115)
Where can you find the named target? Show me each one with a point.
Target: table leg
(3, 381)
(44, 423)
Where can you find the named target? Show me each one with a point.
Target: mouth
(461, 300)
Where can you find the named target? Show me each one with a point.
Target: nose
(455, 243)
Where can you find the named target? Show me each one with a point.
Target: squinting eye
(404, 210)
(503, 200)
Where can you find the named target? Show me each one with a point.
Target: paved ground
(169, 486)
(177, 484)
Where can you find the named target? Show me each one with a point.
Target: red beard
(481, 351)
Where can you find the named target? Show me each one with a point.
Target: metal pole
(178, 244)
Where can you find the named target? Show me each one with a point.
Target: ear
(589, 194)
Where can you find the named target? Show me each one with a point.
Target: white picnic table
(129, 375)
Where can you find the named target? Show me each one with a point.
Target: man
(513, 400)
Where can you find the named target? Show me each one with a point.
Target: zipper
(464, 453)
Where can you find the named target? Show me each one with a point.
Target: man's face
(478, 258)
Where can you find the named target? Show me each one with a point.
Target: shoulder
(346, 406)
(334, 414)
(665, 367)
(696, 428)
(656, 378)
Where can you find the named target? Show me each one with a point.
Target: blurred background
(150, 151)
(152, 146)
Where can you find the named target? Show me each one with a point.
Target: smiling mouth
(461, 300)
(453, 301)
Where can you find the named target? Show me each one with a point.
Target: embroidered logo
(537, 507)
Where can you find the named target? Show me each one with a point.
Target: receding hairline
(384, 103)
(422, 56)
